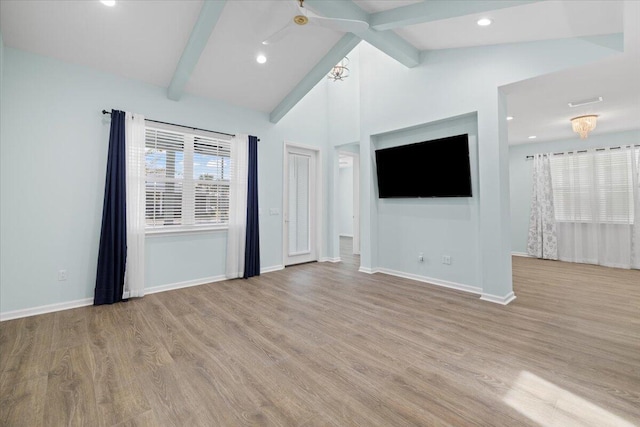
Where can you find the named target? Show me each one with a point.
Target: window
(594, 186)
(187, 180)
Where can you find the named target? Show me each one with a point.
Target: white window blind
(212, 172)
(187, 180)
(164, 161)
(596, 186)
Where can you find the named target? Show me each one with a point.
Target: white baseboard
(432, 281)
(16, 314)
(185, 284)
(497, 299)
(522, 254)
(203, 281)
(49, 308)
(444, 283)
(272, 268)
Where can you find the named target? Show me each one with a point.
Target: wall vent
(585, 102)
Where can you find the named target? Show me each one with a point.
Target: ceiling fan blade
(278, 35)
(345, 25)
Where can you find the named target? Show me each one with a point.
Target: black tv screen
(436, 168)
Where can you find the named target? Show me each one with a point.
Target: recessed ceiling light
(109, 3)
(484, 22)
(532, 137)
(261, 59)
(509, 118)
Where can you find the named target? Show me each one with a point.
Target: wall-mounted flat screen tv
(436, 168)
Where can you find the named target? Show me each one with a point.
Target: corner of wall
(1, 72)
(2, 203)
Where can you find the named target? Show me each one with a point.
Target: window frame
(187, 180)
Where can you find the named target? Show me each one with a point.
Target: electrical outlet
(274, 211)
(421, 257)
(62, 275)
(446, 259)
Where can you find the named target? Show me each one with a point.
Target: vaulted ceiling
(209, 48)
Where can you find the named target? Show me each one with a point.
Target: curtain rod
(584, 151)
(182, 126)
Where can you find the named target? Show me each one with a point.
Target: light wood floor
(324, 345)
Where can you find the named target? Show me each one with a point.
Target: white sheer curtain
(135, 178)
(594, 200)
(542, 241)
(237, 231)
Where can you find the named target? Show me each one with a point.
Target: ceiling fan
(305, 16)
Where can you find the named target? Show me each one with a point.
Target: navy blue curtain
(113, 235)
(252, 246)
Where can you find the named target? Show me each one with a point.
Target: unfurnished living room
(320, 213)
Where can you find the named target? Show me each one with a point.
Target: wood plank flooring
(324, 345)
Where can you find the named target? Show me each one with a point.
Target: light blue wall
(450, 83)
(54, 145)
(344, 104)
(2, 154)
(521, 174)
(1, 62)
(344, 130)
(53, 157)
(1, 79)
(434, 227)
(345, 201)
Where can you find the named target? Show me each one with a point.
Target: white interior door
(300, 206)
(346, 158)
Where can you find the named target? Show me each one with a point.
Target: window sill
(179, 231)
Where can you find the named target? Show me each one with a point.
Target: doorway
(348, 201)
(301, 204)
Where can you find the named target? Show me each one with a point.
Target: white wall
(53, 155)
(521, 174)
(345, 201)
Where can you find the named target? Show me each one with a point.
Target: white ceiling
(540, 105)
(141, 40)
(382, 5)
(544, 20)
(228, 70)
(144, 40)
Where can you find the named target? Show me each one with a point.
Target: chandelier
(339, 71)
(582, 125)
